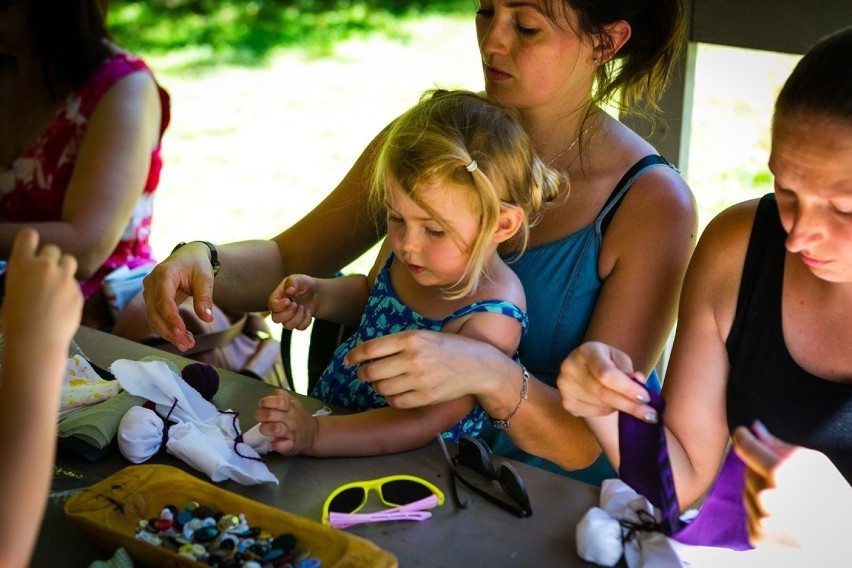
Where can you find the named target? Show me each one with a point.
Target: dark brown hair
(821, 82)
(70, 38)
(641, 69)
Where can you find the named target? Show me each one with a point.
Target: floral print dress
(33, 187)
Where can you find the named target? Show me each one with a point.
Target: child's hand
(43, 302)
(294, 302)
(284, 418)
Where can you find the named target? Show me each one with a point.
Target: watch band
(214, 254)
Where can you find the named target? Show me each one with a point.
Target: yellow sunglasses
(406, 493)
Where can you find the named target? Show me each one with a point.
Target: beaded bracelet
(504, 423)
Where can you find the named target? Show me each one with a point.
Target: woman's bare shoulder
(729, 231)
(658, 199)
(655, 226)
(715, 271)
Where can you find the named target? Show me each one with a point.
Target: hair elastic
(471, 167)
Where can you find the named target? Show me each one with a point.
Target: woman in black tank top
(763, 329)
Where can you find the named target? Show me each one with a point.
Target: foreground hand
(185, 273)
(596, 379)
(294, 302)
(417, 368)
(43, 300)
(283, 418)
(795, 497)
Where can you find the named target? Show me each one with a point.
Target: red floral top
(33, 188)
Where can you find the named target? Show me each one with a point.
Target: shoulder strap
(494, 306)
(112, 70)
(624, 184)
(761, 256)
(109, 72)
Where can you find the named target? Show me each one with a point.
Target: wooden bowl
(110, 511)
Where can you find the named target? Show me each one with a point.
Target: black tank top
(765, 383)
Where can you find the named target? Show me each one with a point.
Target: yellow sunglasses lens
(394, 491)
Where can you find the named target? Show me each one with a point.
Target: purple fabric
(645, 463)
(645, 467)
(722, 519)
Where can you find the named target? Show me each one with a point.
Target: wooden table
(482, 535)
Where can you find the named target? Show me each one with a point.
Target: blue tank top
(562, 285)
(385, 314)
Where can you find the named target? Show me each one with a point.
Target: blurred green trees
(246, 31)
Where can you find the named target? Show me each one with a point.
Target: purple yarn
(203, 378)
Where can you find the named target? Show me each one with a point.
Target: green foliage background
(247, 32)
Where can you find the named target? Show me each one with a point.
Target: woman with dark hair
(764, 324)
(604, 264)
(80, 128)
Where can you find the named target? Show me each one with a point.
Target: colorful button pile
(223, 540)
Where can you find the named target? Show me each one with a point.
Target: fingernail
(643, 397)
(651, 417)
(759, 427)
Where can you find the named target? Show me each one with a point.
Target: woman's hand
(795, 497)
(186, 272)
(294, 302)
(596, 379)
(418, 368)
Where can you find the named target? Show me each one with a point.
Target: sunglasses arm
(343, 520)
(410, 512)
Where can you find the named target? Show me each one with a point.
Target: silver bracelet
(504, 423)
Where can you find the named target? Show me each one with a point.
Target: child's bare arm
(377, 431)
(501, 331)
(300, 298)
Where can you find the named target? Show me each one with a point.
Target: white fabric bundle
(602, 539)
(599, 538)
(140, 434)
(199, 434)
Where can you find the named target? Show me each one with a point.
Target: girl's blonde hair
(475, 143)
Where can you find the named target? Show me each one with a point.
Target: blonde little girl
(457, 178)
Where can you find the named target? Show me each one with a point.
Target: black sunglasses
(475, 455)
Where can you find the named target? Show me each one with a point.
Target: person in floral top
(81, 124)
